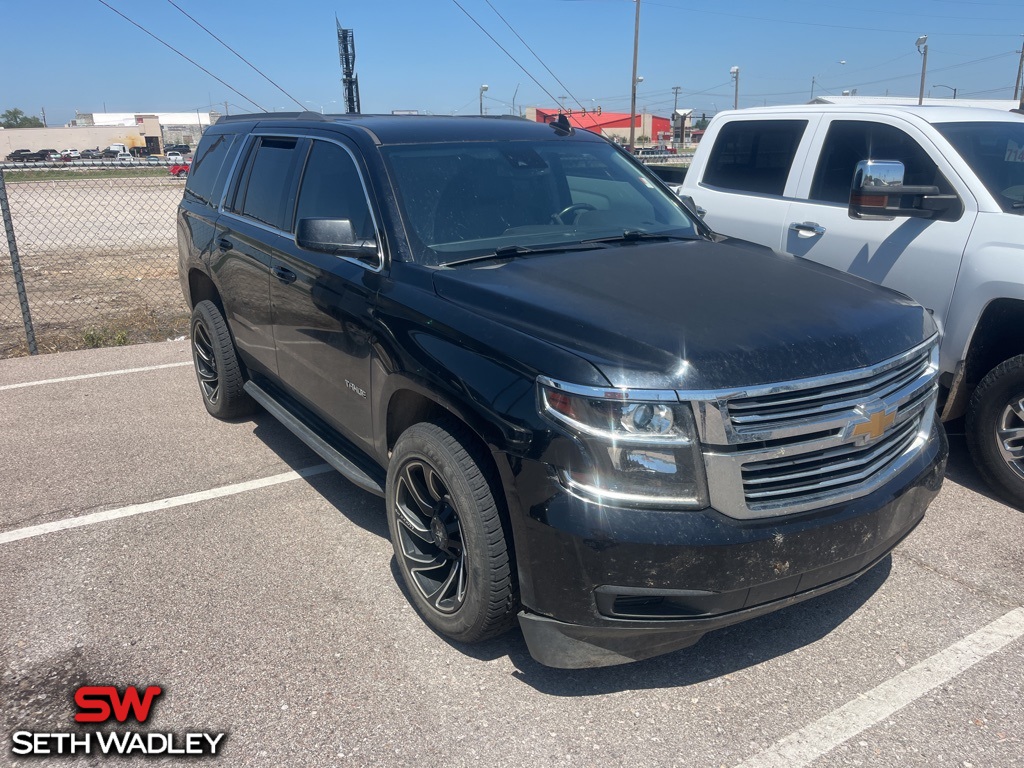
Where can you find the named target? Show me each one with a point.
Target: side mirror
(336, 237)
(689, 204)
(878, 192)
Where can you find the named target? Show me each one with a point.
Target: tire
(995, 429)
(447, 531)
(220, 374)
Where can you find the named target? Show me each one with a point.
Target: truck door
(746, 181)
(323, 303)
(918, 257)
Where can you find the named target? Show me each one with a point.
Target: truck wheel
(217, 366)
(446, 529)
(995, 429)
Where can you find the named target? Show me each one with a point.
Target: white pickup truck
(928, 201)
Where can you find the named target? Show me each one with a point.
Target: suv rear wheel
(217, 366)
(447, 533)
(995, 429)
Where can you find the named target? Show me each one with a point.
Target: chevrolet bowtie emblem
(875, 426)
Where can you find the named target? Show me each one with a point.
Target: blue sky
(428, 55)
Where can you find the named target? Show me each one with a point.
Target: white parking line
(154, 506)
(92, 375)
(811, 742)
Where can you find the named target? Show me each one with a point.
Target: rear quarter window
(210, 167)
(754, 155)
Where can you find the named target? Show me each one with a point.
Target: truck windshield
(465, 200)
(995, 151)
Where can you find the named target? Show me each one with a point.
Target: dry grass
(99, 260)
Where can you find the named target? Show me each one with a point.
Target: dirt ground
(99, 260)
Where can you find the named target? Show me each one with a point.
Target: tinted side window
(754, 155)
(209, 166)
(331, 189)
(850, 141)
(267, 193)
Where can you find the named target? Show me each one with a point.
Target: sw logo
(107, 704)
(96, 703)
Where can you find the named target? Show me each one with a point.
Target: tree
(15, 118)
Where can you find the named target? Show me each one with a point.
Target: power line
(538, 58)
(191, 61)
(503, 50)
(251, 65)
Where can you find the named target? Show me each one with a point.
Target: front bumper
(604, 585)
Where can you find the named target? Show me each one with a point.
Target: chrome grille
(785, 408)
(800, 445)
(811, 476)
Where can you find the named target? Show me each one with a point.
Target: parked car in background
(180, 170)
(928, 201)
(124, 158)
(174, 157)
(22, 156)
(91, 154)
(51, 155)
(70, 154)
(185, 149)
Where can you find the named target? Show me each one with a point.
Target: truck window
(754, 155)
(209, 166)
(266, 192)
(995, 151)
(850, 141)
(332, 189)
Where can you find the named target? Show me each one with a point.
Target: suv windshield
(995, 151)
(466, 200)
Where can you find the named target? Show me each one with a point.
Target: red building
(613, 125)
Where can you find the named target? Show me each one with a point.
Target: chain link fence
(96, 249)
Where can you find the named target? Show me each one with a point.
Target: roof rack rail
(307, 115)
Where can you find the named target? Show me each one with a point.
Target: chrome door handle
(284, 274)
(807, 229)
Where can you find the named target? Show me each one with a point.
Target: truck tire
(995, 429)
(448, 534)
(220, 374)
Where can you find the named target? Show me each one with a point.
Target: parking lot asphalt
(144, 543)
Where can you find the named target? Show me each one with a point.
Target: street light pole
(939, 85)
(482, 89)
(922, 41)
(632, 88)
(1020, 71)
(735, 72)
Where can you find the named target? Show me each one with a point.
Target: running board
(327, 452)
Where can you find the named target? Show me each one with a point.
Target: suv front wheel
(447, 532)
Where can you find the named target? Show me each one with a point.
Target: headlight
(635, 451)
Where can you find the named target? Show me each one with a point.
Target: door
(252, 230)
(746, 180)
(323, 303)
(918, 257)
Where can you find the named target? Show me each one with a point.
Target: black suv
(582, 407)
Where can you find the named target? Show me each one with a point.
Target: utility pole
(1020, 71)
(922, 47)
(632, 88)
(675, 93)
(226, 110)
(814, 80)
(735, 72)
(43, 110)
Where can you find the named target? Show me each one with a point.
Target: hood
(695, 314)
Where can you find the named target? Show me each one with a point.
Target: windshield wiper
(511, 251)
(636, 235)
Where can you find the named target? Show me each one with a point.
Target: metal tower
(349, 80)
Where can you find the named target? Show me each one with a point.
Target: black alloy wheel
(220, 373)
(430, 537)
(450, 533)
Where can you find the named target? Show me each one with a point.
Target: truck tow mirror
(878, 192)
